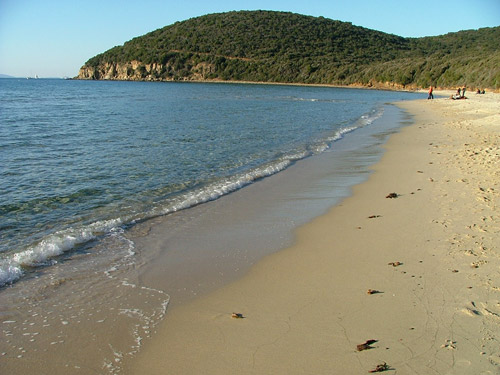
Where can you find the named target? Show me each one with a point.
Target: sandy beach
(416, 276)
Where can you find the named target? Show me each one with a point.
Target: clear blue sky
(54, 38)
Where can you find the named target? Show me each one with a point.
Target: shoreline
(306, 308)
(226, 237)
(375, 86)
(382, 86)
(197, 251)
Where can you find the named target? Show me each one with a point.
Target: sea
(107, 188)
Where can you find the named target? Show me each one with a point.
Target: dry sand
(306, 308)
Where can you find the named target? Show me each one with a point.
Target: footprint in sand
(449, 344)
(495, 359)
(491, 309)
(471, 310)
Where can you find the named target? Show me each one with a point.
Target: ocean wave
(322, 100)
(219, 188)
(369, 118)
(14, 265)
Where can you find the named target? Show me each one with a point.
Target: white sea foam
(369, 118)
(316, 100)
(222, 187)
(9, 272)
(12, 267)
(42, 253)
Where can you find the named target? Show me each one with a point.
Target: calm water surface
(83, 162)
(82, 159)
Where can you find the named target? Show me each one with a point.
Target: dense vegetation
(285, 47)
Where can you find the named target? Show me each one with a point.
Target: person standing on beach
(431, 96)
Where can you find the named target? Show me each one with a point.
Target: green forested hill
(267, 46)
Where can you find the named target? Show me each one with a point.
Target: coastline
(306, 308)
(388, 86)
(226, 237)
(382, 86)
(177, 257)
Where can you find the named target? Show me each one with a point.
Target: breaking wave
(43, 253)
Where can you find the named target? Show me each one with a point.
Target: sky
(54, 38)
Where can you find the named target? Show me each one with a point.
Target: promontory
(269, 46)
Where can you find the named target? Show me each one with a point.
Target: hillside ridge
(283, 47)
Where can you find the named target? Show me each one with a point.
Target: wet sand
(430, 254)
(196, 251)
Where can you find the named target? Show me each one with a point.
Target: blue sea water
(85, 165)
(82, 159)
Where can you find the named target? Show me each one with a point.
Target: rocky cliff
(137, 71)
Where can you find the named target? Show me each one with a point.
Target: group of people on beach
(460, 94)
